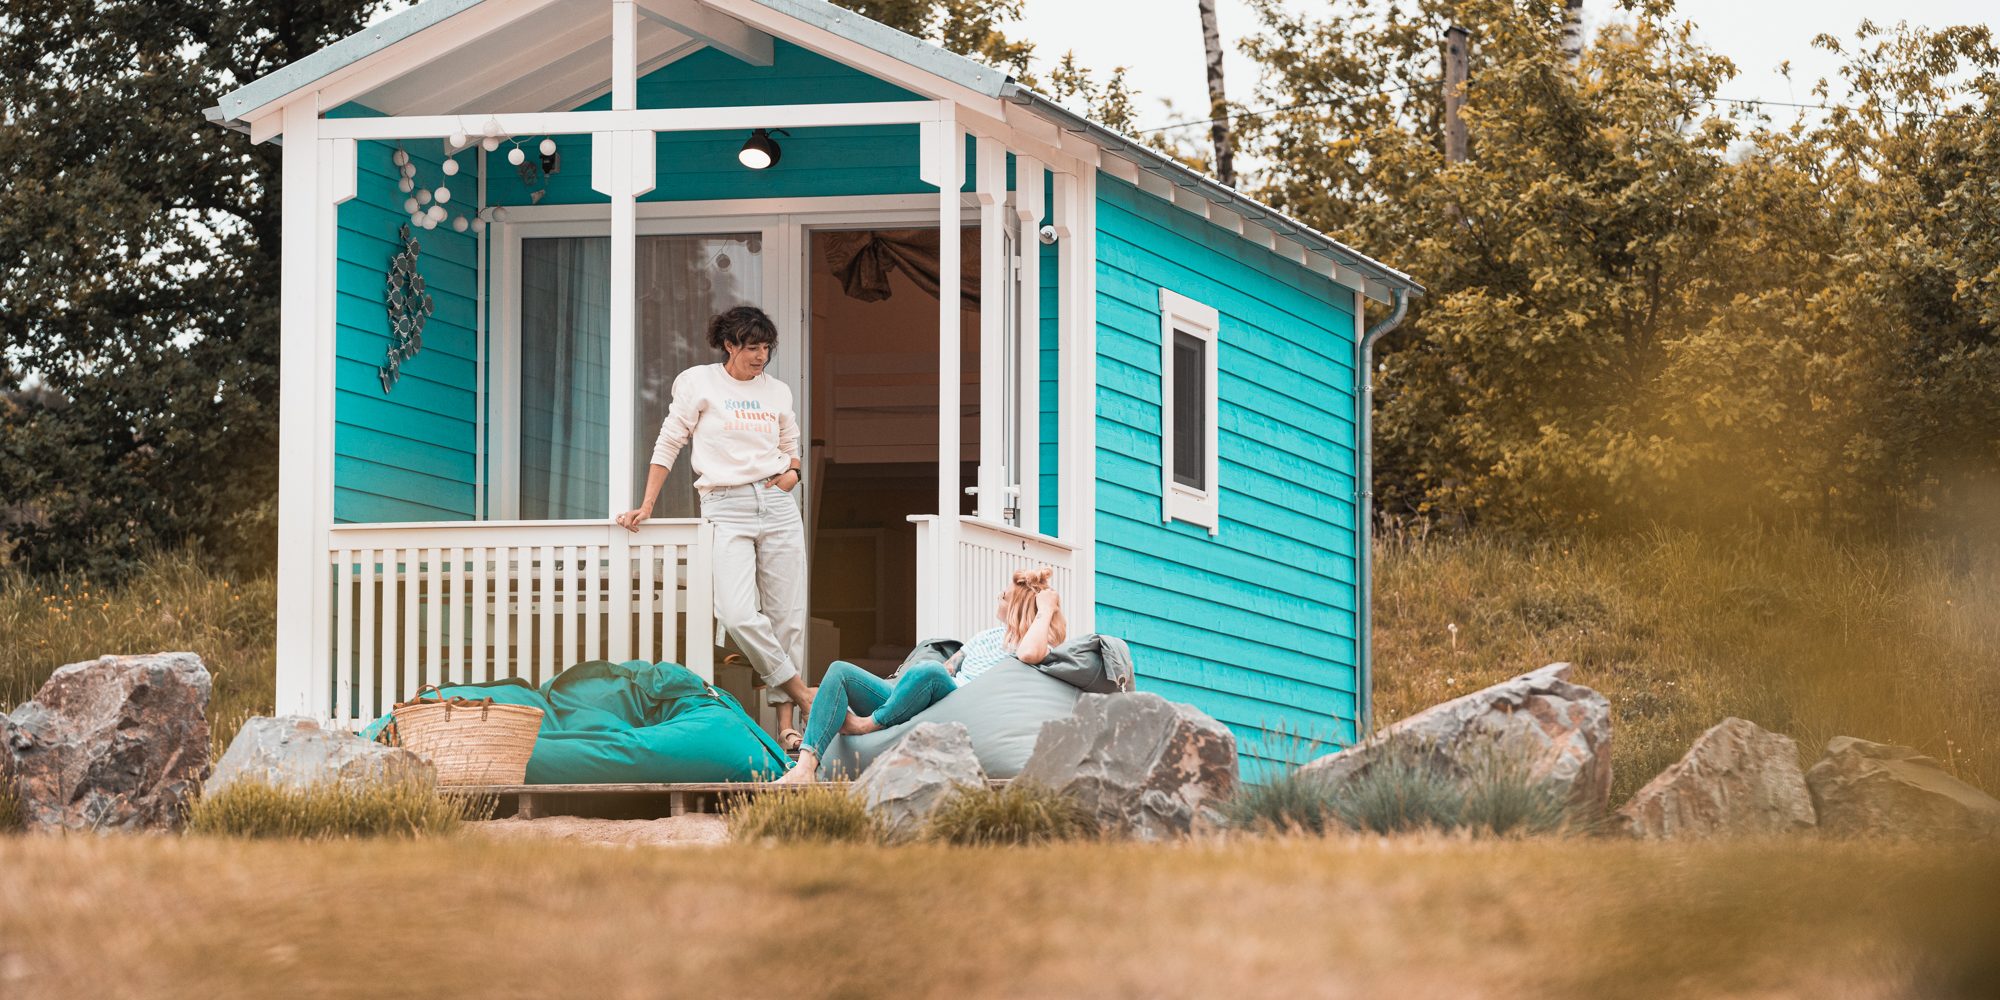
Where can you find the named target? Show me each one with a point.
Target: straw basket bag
(470, 741)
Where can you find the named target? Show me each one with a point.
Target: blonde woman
(853, 701)
(746, 463)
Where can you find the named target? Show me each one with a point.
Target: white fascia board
(718, 30)
(875, 49)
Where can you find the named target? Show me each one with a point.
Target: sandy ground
(693, 829)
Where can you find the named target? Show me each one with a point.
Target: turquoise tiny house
(1157, 384)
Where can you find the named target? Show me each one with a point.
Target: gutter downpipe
(1364, 353)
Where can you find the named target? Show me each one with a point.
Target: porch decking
(536, 801)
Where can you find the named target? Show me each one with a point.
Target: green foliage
(1294, 802)
(332, 811)
(1019, 814)
(1405, 790)
(1646, 304)
(822, 813)
(139, 277)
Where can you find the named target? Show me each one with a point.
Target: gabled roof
(681, 28)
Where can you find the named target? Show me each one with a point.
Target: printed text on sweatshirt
(743, 431)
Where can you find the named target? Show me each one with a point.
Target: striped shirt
(981, 652)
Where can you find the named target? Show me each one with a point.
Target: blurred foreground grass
(1801, 635)
(1406, 917)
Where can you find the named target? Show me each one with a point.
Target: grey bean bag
(1002, 709)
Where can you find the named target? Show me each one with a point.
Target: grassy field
(1413, 917)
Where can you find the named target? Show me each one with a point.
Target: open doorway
(873, 427)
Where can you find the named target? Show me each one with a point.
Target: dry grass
(332, 811)
(1800, 635)
(814, 814)
(1413, 917)
(1022, 813)
(174, 603)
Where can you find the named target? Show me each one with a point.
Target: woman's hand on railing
(630, 519)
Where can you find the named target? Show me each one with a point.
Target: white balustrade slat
(522, 609)
(343, 636)
(410, 623)
(593, 631)
(670, 623)
(481, 667)
(546, 657)
(454, 618)
(572, 619)
(644, 554)
(434, 611)
(365, 675)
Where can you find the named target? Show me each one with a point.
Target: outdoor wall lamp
(760, 151)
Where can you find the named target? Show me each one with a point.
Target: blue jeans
(848, 687)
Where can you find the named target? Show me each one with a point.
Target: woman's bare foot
(805, 772)
(859, 725)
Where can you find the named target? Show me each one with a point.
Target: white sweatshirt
(743, 431)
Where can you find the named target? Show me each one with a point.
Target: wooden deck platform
(640, 800)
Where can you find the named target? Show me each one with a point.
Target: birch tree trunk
(1218, 103)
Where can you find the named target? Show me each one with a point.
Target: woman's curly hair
(743, 326)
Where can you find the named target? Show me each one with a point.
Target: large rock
(914, 777)
(1145, 766)
(1864, 789)
(117, 743)
(1738, 779)
(294, 752)
(1558, 731)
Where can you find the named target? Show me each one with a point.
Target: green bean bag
(633, 722)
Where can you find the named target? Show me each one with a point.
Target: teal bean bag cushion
(633, 722)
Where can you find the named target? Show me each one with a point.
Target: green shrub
(1402, 792)
(1293, 802)
(813, 814)
(1021, 813)
(333, 811)
(1502, 798)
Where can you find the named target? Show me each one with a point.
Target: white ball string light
(548, 147)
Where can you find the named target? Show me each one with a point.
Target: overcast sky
(1162, 48)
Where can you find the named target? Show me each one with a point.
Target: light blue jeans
(760, 575)
(848, 687)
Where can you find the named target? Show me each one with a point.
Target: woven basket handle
(455, 701)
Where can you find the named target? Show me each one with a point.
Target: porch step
(629, 801)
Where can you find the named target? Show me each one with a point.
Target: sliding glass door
(564, 359)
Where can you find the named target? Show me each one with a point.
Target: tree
(1645, 304)
(1218, 99)
(140, 250)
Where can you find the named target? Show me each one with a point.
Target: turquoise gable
(1255, 625)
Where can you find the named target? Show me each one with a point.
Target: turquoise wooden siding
(1255, 625)
(407, 454)
(1051, 332)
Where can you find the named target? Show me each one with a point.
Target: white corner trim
(1180, 314)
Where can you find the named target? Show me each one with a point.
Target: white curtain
(565, 377)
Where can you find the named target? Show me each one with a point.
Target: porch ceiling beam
(477, 89)
(713, 27)
(641, 120)
(580, 78)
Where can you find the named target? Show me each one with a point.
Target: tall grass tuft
(332, 811)
(10, 808)
(1402, 792)
(1019, 814)
(814, 814)
(1293, 802)
(1406, 789)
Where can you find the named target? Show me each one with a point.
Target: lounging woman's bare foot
(859, 725)
(805, 772)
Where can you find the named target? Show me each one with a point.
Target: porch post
(989, 190)
(304, 498)
(1076, 224)
(945, 163)
(1027, 214)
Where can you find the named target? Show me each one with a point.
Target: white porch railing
(456, 602)
(986, 556)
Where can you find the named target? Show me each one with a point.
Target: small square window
(1188, 489)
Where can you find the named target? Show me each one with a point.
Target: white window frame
(1203, 508)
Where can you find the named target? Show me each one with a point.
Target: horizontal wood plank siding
(407, 454)
(1256, 624)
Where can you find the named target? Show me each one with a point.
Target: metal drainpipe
(1364, 352)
